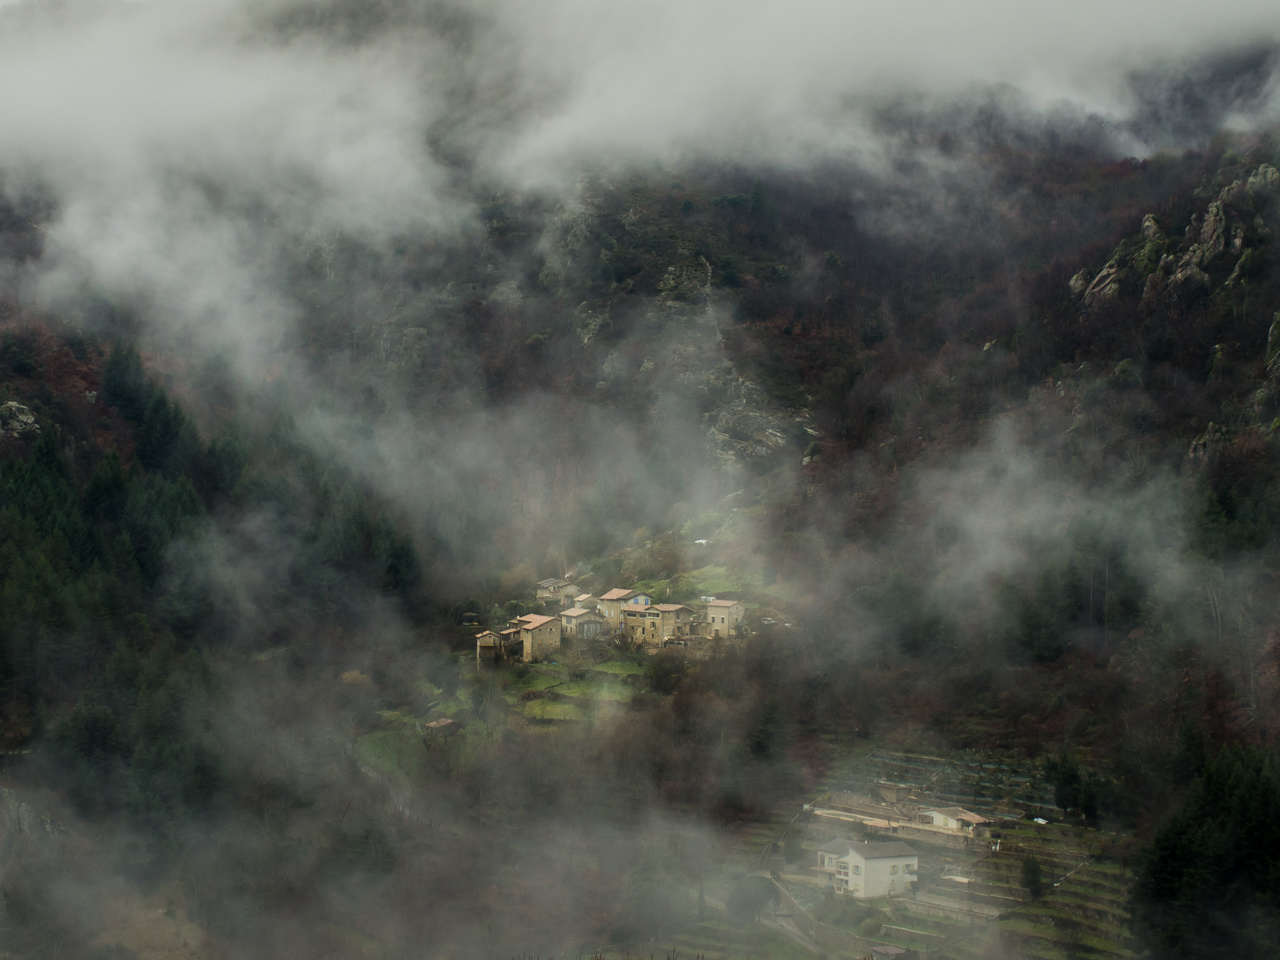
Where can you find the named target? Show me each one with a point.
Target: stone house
(723, 617)
(868, 870)
(488, 648)
(675, 620)
(654, 623)
(642, 623)
(581, 623)
(509, 640)
(557, 590)
(586, 601)
(539, 636)
(612, 603)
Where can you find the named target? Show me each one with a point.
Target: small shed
(488, 648)
(442, 729)
(885, 951)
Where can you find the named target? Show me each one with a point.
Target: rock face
(18, 819)
(1134, 259)
(17, 421)
(745, 428)
(1264, 182)
(1219, 242)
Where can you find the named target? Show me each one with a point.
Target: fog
(293, 205)
(183, 141)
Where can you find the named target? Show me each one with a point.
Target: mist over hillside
(943, 338)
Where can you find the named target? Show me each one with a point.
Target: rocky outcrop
(1204, 446)
(1133, 260)
(17, 421)
(1220, 241)
(1264, 182)
(1266, 399)
(745, 428)
(686, 282)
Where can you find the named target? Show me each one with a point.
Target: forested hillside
(334, 334)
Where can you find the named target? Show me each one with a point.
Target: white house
(956, 818)
(868, 870)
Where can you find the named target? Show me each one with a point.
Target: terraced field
(750, 838)
(973, 781)
(981, 907)
(713, 940)
(1083, 918)
(923, 931)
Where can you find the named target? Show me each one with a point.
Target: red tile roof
(617, 593)
(533, 621)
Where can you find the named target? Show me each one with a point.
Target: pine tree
(1209, 886)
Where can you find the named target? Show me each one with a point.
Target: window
(894, 868)
(909, 867)
(856, 868)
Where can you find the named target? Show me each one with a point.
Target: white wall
(876, 878)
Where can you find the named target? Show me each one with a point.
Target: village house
(581, 624)
(509, 640)
(537, 636)
(654, 623)
(642, 623)
(611, 606)
(612, 603)
(723, 617)
(675, 620)
(868, 870)
(557, 591)
(586, 601)
(956, 818)
(488, 648)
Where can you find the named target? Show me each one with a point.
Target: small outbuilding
(442, 729)
(956, 818)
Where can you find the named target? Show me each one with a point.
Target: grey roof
(869, 851)
(836, 846)
(879, 851)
